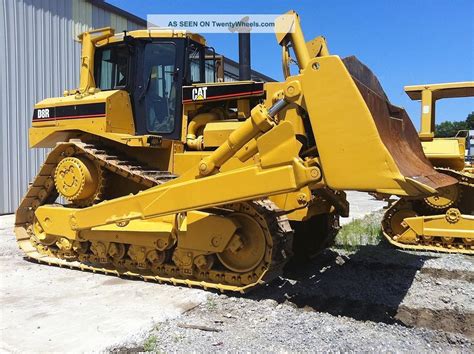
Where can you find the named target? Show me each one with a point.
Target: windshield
(111, 68)
(160, 87)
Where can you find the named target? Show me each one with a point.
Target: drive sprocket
(79, 180)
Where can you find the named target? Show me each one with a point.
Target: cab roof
(445, 90)
(154, 33)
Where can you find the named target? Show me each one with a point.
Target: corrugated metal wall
(38, 59)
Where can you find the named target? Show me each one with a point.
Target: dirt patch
(443, 319)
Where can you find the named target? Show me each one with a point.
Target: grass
(211, 303)
(359, 232)
(150, 343)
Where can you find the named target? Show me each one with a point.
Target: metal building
(39, 58)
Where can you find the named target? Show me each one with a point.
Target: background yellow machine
(443, 222)
(157, 174)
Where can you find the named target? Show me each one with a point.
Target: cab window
(160, 87)
(112, 67)
(195, 64)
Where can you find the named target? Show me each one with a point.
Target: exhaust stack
(244, 56)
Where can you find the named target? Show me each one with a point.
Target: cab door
(157, 99)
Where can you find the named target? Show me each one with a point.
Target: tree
(450, 129)
(470, 121)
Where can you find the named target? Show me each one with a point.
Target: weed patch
(359, 232)
(150, 343)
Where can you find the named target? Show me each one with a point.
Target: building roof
(118, 11)
(253, 72)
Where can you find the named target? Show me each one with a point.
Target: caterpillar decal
(218, 92)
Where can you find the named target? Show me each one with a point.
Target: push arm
(280, 170)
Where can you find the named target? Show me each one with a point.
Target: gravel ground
(373, 299)
(239, 324)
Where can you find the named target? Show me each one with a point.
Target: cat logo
(199, 93)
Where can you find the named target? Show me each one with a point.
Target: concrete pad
(361, 204)
(44, 308)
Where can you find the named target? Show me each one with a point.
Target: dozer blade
(396, 131)
(364, 142)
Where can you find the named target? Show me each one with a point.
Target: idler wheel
(247, 247)
(397, 222)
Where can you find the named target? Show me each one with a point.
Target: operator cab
(153, 71)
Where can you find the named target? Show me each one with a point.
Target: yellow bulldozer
(443, 222)
(157, 174)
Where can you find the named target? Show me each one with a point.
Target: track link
(465, 203)
(42, 191)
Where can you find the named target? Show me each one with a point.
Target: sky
(404, 42)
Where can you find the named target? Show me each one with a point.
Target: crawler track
(437, 244)
(42, 191)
